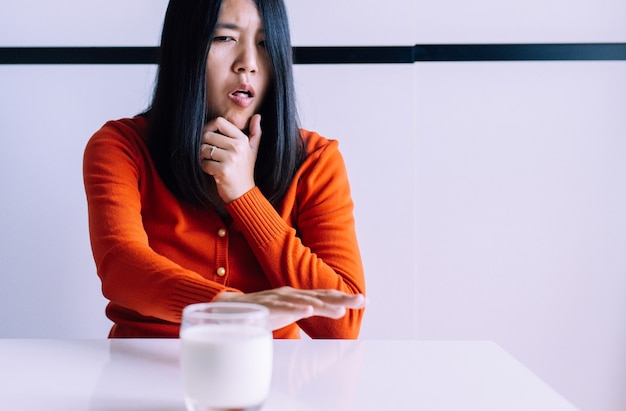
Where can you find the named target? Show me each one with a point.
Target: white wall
(489, 196)
(47, 113)
(521, 187)
(521, 225)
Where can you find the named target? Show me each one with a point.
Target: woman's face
(238, 68)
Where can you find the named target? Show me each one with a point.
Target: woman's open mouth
(243, 95)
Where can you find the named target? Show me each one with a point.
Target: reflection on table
(328, 375)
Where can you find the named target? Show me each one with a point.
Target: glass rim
(202, 310)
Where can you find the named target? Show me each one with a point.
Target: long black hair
(179, 111)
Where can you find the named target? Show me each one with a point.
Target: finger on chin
(255, 125)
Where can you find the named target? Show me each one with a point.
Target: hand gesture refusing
(288, 305)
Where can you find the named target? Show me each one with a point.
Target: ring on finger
(211, 153)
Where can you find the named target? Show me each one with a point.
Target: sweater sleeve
(322, 251)
(133, 275)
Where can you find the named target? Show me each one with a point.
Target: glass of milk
(226, 356)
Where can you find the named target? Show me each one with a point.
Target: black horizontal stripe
(78, 55)
(519, 52)
(353, 55)
(336, 55)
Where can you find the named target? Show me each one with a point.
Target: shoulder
(127, 132)
(322, 155)
(316, 144)
(130, 128)
(322, 177)
(118, 143)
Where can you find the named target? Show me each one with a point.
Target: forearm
(331, 262)
(136, 278)
(138, 269)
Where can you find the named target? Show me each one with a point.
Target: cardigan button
(221, 271)
(221, 233)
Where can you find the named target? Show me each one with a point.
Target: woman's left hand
(288, 305)
(229, 156)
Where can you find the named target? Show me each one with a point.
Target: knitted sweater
(156, 254)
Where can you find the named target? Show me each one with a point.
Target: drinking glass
(226, 356)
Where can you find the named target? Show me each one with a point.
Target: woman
(214, 194)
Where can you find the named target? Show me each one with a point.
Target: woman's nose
(246, 60)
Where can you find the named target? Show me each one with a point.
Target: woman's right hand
(288, 305)
(229, 156)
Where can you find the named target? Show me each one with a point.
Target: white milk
(226, 366)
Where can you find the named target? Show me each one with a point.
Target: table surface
(324, 375)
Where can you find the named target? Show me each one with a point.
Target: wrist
(225, 296)
(236, 195)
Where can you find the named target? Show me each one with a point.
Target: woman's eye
(262, 43)
(221, 38)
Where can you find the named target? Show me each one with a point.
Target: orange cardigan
(155, 254)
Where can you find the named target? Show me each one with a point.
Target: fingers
(219, 130)
(324, 302)
(208, 152)
(318, 302)
(222, 141)
(221, 126)
(288, 305)
(255, 131)
(218, 135)
(282, 311)
(335, 297)
(327, 302)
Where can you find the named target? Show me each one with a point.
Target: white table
(143, 375)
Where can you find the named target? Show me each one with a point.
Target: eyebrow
(231, 26)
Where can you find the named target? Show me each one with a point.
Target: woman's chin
(241, 122)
